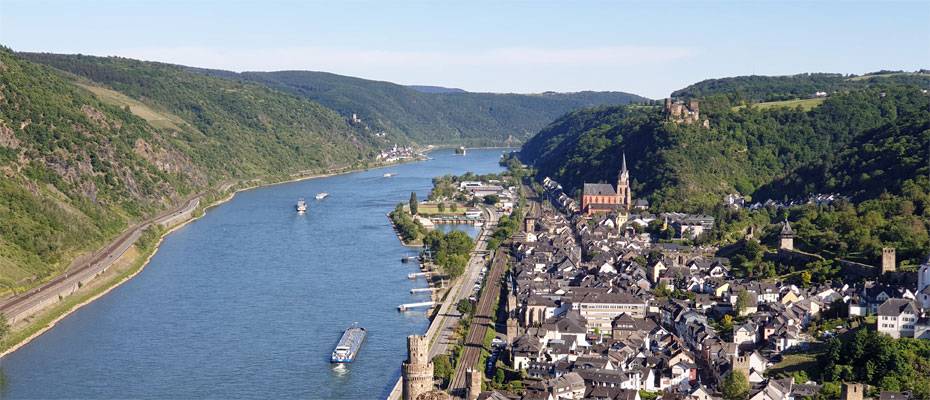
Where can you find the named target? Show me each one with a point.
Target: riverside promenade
(448, 316)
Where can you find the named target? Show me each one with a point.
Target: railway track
(481, 322)
(98, 262)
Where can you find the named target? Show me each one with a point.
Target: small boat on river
(301, 206)
(321, 195)
(349, 345)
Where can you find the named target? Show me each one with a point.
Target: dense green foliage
(75, 171)
(264, 131)
(687, 167)
(735, 386)
(406, 227)
(439, 117)
(413, 203)
(877, 359)
(756, 88)
(78, 167)
(450, 250)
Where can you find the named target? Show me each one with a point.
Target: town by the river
(248, 301)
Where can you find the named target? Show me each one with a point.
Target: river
(248, 301)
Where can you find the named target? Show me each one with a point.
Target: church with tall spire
(604, 198)
(624, 196)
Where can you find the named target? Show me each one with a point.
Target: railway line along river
(248, 301)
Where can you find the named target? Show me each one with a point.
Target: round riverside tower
(418, 369)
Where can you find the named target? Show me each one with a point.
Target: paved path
(24, 304)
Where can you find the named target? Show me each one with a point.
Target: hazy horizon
(632, 47)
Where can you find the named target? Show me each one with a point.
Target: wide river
(249, 301)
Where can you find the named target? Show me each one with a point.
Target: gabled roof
(599, 189)
(895, 307)
(786, 229)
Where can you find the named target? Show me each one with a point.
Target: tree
(413, 203)
(735, 386)
(441, 207)
(726, 322)
(806, 277)
(442, 367)
(491, 199)
(742, 301)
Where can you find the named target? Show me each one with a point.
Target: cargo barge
(348, 345)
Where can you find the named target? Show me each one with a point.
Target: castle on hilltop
(680, 113)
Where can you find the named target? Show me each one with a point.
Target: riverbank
(46, 319)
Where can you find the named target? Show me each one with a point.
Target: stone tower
(529, 224)
(888, 259)
(787, 237)
(623, 187)
(513, 330)
(474, 384)
(853, 391)
(418, 369)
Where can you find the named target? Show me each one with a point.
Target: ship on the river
(301, 206)
(321, 195)
(348, 345)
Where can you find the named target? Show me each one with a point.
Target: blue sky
(648, 48)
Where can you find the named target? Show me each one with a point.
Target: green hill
(752, 89)
(84, 153)
(691, 168)
(431, 116)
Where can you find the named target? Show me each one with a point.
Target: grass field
(433, 209)
(864, 77)
(158, 119)
(792, 363)
(805, 104)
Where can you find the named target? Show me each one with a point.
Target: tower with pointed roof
(786, 236)
(624, 197)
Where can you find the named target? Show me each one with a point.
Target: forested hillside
(756, 88)
(690, 168)
(265, 131)
(432, 116)
(84, 155)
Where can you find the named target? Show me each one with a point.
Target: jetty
(414, 275)
(423, 290)
(405, 307)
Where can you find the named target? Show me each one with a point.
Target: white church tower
(923, 284)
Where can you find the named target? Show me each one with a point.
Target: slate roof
(599, 189)
(895, 307)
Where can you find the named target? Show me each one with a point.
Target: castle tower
(853, 391)
(529, 224)
(474, 384)
(512, 330)
(624, 196)
(888, 259)
(418, 369)
(787, 237)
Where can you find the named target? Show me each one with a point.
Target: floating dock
(415, 275)
(405, 307)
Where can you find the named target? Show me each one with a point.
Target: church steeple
(624, 196)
